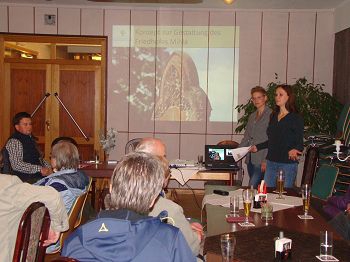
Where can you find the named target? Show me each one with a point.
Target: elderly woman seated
(66, 179)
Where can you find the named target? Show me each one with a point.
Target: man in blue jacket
(125, 233)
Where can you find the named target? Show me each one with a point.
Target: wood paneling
(117, 22)
(324, 50)
(68, 21)
(4, 27)
(274, 47)
(21, 19)
(301, 44)
(77, 92)
(91, 21)
(40, 26)
(341, 77)
(142, 74)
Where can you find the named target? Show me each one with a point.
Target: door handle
(47, 123)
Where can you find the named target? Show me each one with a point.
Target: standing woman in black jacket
(285, 138)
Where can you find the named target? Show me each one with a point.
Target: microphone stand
(70, 115)
(40, 103)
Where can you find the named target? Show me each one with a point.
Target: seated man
(341, 223)
(336, 204)
(125, 233)
(25, 159)
(15, 197)
(66, 179)
(193, 232)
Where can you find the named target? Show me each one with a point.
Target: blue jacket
(70, 183)
(124, 235)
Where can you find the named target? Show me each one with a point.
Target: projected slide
(194, 69)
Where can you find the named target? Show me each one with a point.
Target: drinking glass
(305, 194)
(280, 184)
(234, 206)
(266, 212)
(326, 245)
(247, 203)
(228, 243)
(200, 161)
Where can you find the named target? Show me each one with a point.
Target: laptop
(220, 157)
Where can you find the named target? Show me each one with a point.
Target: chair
(64, 259)
(310, 165)
(324, 182)
(33, 229)
(74, 220)
(131, 145)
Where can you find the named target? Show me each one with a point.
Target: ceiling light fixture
(229, 2)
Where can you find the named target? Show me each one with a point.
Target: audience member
(255, 133)
(336, 204)
(285, 138)
(66, 179)
(341, 223)
(24, 157)
(15, 197)
(125, 232)
(193, 232)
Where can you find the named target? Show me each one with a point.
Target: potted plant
(319, 109)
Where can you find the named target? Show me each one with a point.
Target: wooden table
(105, 170)
(286, 220)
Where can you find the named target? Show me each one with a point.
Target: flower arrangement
(108, 141)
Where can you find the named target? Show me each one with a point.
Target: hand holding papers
(239, 153)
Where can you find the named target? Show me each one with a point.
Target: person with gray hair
(193, 232)
(66, 179)
(125, 232)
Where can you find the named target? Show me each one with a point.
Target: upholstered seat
(33, 229)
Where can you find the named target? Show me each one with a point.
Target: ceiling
(212, 4)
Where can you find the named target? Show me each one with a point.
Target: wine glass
(280, 184)
(247, 195)
(306, 194)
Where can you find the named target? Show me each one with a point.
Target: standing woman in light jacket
(255, 133)
(285, 138)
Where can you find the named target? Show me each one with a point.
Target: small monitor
(219, 157)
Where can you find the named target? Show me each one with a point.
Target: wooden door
(78, 90)
(27, 85)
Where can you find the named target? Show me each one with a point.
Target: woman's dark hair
(290, 105)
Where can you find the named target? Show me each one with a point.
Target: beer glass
(280, 184)
(227, 242)
(234, 206)
(326, 245)
(306, 194)
(247, 195)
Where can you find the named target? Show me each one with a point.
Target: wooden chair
(33, 229)
(74, 220)
(64, 259)
(310, 165)
(131, 145)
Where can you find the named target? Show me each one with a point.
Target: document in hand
(239, 153)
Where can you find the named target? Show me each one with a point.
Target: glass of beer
(280, 184)
(247, 203)
(306, 194)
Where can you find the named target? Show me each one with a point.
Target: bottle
(283, 247)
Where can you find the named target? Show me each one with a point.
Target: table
(256, 243)
(105, 171)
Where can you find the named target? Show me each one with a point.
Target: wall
(342, 17)
(292, 44)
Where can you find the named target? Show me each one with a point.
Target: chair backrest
(5, 165)
(343, 124)
(64, 259)
(33, 229)
(131, 145)
(74, 218)
(310, 164)
(324, 181)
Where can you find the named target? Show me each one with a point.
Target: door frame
(53, 64)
